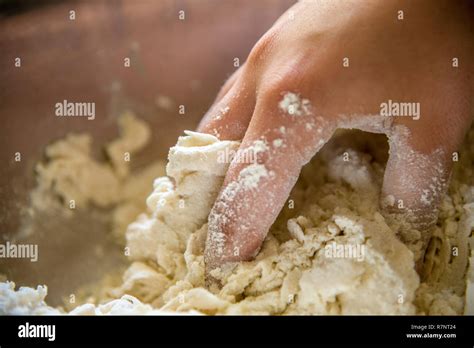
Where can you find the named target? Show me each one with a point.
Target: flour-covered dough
(329, 252)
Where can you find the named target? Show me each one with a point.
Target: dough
(71, 175)
(28, 301)
(292, 274)
(329, 252)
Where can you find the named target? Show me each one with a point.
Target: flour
(334, 202)
(248, 180)
(250, 176)
(293, 105)
(278, 142)
(258, 146)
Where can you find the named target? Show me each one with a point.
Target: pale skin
(389, 59)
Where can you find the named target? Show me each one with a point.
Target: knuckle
(261, 49)
(276, 83)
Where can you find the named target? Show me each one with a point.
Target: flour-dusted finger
(283, 135)
(229, 116)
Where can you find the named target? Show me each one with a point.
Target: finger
(256, 187)
(228, 84)
(416, 178)
(229, 116)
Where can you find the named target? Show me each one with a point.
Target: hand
(296, 88)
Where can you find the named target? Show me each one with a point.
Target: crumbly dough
(334, 204)
(28, 301)
(71, 175)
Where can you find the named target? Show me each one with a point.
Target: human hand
(326, 65)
